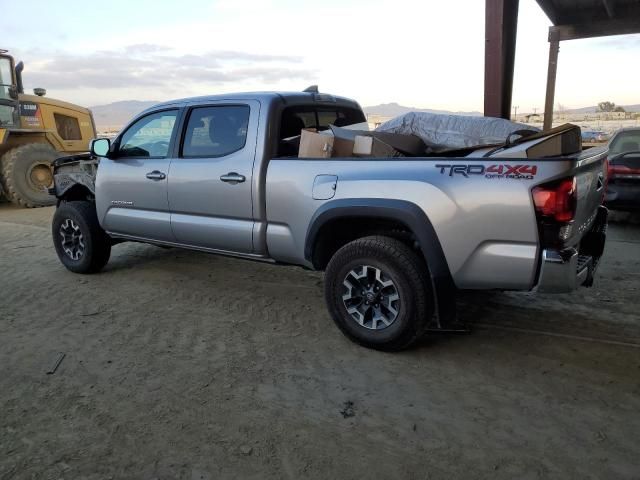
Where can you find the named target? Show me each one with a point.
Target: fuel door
(324, 187)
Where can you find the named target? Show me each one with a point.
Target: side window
(150, 136)
(68, 127)
(216, 131)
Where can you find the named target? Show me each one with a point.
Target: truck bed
(481, 209)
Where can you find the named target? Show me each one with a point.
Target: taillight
(623, 171)
(556, 201)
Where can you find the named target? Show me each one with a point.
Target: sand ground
(186, 365)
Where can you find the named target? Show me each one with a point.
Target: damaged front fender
(75, 173)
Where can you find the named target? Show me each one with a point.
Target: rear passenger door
(210, 186)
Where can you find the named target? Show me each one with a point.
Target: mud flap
(592, 245)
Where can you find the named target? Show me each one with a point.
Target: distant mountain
(632, 108)
(627, 108)
(394, 109)
(582, 110)
(117, 114)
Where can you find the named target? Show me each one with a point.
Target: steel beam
(602, 28)
(552, 69)
(501, 21)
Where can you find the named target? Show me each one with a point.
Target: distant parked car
(594, 136)
(623, 192)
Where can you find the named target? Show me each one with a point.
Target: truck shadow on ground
(603, 313)
(547, 314)
(138, 254)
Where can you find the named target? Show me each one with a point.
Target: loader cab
(8, 92)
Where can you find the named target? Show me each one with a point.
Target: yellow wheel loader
(34, 131)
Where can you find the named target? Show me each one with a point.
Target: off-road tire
(96, 242)
(15, 166)
(410, 277)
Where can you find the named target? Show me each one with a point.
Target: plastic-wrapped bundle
(445, 132)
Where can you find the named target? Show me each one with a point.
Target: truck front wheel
(80, 242)
(378, 292)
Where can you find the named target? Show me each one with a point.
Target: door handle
(156, 175)
(233, 178)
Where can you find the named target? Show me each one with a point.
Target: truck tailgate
(591, 176)
(573, 230)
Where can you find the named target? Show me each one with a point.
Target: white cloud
(156, 71)
(415, 52)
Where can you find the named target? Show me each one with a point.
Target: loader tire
(25, 173)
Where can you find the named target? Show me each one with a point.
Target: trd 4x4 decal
(524, 172)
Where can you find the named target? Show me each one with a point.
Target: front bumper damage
(562, 271)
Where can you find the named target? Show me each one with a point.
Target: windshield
(6, 81)
(627, 141)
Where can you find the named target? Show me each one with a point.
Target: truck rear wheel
(26, 174)
(378, 293)
(81, 243)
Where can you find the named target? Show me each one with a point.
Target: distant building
(533, 118)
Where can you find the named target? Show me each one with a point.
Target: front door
(131, 185)
(210, 187)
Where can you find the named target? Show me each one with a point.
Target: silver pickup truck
(396, 237)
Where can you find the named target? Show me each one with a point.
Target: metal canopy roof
(566, 12)
(574, 19)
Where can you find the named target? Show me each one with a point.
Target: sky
(422, 54)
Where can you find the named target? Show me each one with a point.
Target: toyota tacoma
(396, 237)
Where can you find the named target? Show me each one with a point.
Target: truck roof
(293, 98)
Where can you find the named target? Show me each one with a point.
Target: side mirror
(100, 147)
(13, 92)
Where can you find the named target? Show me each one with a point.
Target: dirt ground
(186, 365)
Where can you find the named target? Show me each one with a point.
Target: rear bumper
(562, 271)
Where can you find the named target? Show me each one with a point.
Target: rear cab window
(296, 118)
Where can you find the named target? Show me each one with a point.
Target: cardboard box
(314, 145)
(342, 147)
(409, 145)
(320, 145)
(364, 146)
(344, 142)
